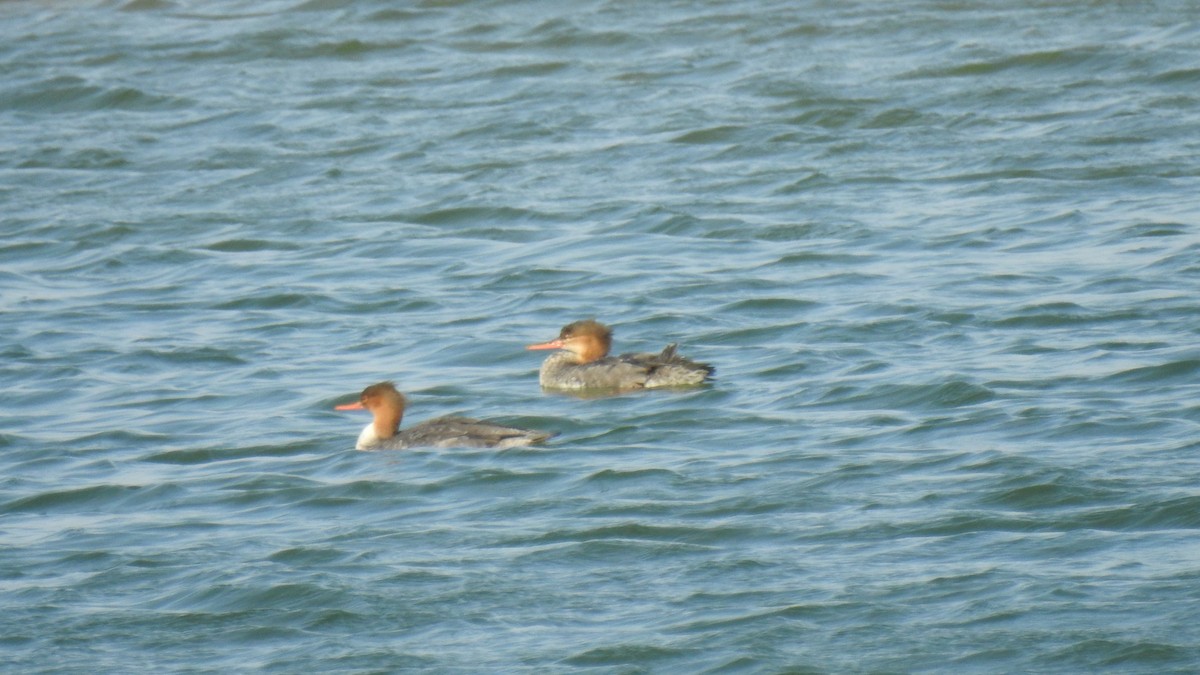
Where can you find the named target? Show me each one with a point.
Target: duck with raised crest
(583, 363)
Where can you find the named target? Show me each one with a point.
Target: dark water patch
(250, 246)
(745, 609)
(791, 232)
(955, 524)
(84, 159)
(624, 654)
(762, 306)
(18, 641)
(828, 115)
(1112, 430)
(949, 426)
(687, 225)
(939, 396)
(533, 70)
(985, 238)
(256, 597)
(611, 551)
(322, 6)
(282, 43)
(787, 333)
(147, 6)
(1184, 369)
(620, 434)
(1185, 76)
(109, 234)
(209, 455)
(466, 215)
(750, 664)
(1118, 284)
(1002, 464)
(897, 118)
(89, 560)
(352, 48)
(1151, 230)
(591, 41)
(1063, 315)
(70, 94)
(785, 372)
(540, 278)
(631, 509)
(362, 660)
(1042, 62)
(308, 555)
(117, 438)
(1094, 653)
(721, 134)
(269, 301)
(954, 318)
(270, 488)
(129, 98)
(339, 620)
(1150, 652)
(189, 355)
(562, 31)
(1034, 493)
(23, 250)
(812, 181)
(172, 263)
(605, 477)
(255, 635)
(388, 305)
(513, 235)
(840, 280)
(1183, 262)
(638, 532)
(794, 499)
(490, 480)
(99, 497)
(1119, 140)
(1179, 513)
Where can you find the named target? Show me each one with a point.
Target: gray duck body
(644, 370)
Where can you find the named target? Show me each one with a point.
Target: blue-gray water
(944, 255)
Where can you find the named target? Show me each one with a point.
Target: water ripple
(941, 255)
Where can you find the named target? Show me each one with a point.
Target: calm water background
(945, 256)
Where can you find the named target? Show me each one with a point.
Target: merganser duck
(387, 405)
(584, 363)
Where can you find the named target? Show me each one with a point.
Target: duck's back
(669, 369)
(465, 432)
(627, 371)
(606, 373)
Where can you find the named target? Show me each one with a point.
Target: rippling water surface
(944, 255)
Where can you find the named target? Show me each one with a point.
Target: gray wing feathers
(465, 432)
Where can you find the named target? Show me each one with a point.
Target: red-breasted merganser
(387, 405)
(584, 363)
